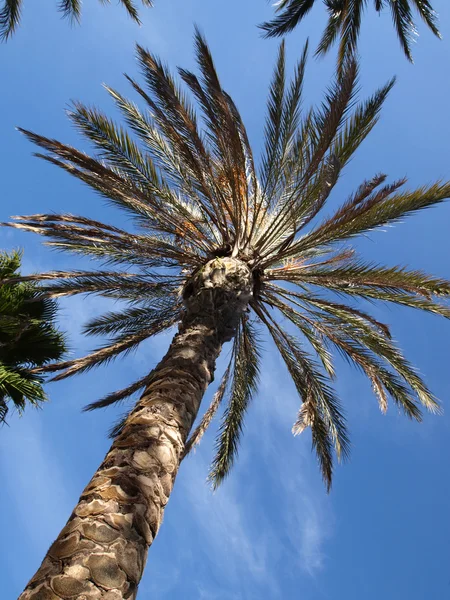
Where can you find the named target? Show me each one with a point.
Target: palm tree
(344, 20)
(28, 337)
(10, 13)
(222, 248)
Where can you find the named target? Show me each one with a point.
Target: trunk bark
(102, 550)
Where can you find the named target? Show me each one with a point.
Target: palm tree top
(198, 199)
(11, 12)
(344, 21)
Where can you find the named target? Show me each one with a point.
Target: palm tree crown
(28, 337)
(344, 21)
(198, 199)
(11, 11)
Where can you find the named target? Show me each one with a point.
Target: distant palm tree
(28, 337)
(11, 12)
(344, 21)
(220, 247)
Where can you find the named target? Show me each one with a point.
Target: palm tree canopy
(28, 337)
(11, 12)
(344, 21)
(196, 196)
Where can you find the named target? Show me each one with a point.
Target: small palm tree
(344, 21)
(11, 11)
(222, 248)
(28, 337)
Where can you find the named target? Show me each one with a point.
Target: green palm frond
(320, 408)
(344, 21)
(182, 168)
(378, 209)
(132, 328)
(110, 284)
(71, 9)
(28, 336)
(20, 387)
(243, 386)
(291, 13)
(11, 12)
(352, 11)
(362, 340)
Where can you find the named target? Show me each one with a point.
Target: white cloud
(306, 517)
(226, 525)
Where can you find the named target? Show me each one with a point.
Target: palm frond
(10, 13)
(281, 129)
(377, 210)
(404, 25)
(246, 358)
(28, 336)
(323, 126)
(99, 241)
(332, 30)
(132, 320)
(119, 395)
(309, 332)
(294, 11)
(383, 347)
(359, 274)
(195, 437)
(320, 409)
(273, 123)
(19, 386)
(360, 123)
(123, 343)
(110, 284)
(350, 27)
(70, 9)
(383, 381)
(344, 22)
(428, 15)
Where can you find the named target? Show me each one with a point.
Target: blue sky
(271, 531)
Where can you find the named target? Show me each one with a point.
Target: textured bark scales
(101, 552)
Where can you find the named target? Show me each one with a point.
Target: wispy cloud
(307, 518)
(226, 524)
(260, 533)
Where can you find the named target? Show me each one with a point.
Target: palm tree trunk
(102, 550)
